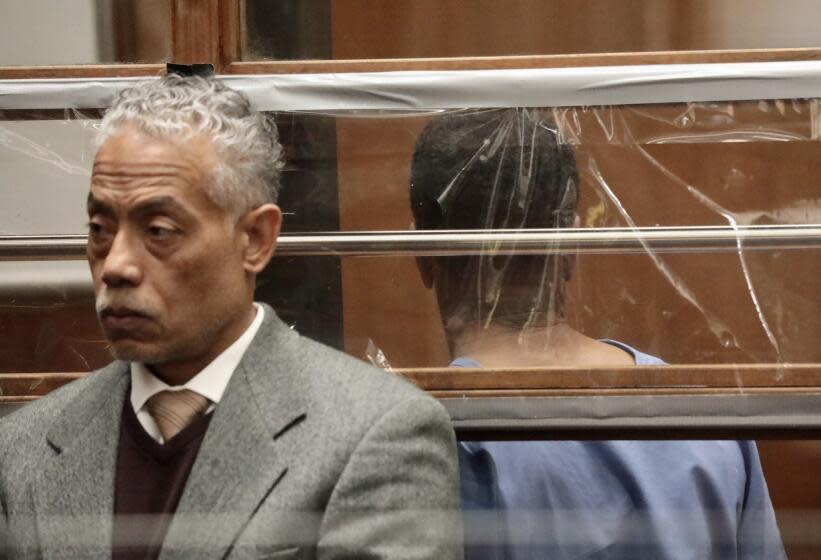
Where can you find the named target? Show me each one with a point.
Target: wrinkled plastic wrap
(406, 169)
(727, 165)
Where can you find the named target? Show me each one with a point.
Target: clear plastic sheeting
(371, 175)
(45, 167)
(729, 166)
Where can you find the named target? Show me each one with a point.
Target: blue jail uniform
(615, 500)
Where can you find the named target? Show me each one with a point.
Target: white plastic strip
(421, 91)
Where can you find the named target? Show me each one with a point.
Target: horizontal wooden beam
(511, 62)
(677, 378)
(193, 51)
(775, 379)
(22, 387)
(81, 71)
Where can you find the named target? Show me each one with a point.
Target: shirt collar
(210, 382)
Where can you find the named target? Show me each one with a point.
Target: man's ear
(425, 266)
(260, 229)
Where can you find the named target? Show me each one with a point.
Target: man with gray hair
(217, 432)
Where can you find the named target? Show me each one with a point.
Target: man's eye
(95, 229)
(161, 232)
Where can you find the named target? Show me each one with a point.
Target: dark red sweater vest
(149, 482)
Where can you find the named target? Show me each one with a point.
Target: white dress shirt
(210, 382)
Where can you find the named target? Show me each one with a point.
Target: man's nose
(122, 265)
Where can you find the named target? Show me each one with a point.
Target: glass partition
(492, 238)
(45, 166)
(737, 172)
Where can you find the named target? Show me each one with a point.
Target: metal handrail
(434, 243)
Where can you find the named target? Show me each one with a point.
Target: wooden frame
(24, 387)
(655, 380)
(731, 379)
(513, 62)
(189, 50)
(211, 31)
(195, 31)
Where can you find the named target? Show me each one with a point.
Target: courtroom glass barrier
(694, 239)
(721, 177)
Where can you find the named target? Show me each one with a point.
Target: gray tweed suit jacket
(310, 454)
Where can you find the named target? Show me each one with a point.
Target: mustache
(107, 305)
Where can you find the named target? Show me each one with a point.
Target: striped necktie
(174, 410)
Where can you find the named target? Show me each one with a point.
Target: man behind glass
(625, 500)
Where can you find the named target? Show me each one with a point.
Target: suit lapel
(74, 493)
(240, 462)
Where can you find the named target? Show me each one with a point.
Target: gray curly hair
(178, 108)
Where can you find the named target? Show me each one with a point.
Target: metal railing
(416, 243)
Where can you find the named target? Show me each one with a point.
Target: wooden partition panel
(51, 338)
(443, 28)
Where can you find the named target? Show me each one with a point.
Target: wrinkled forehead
(131, 162)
